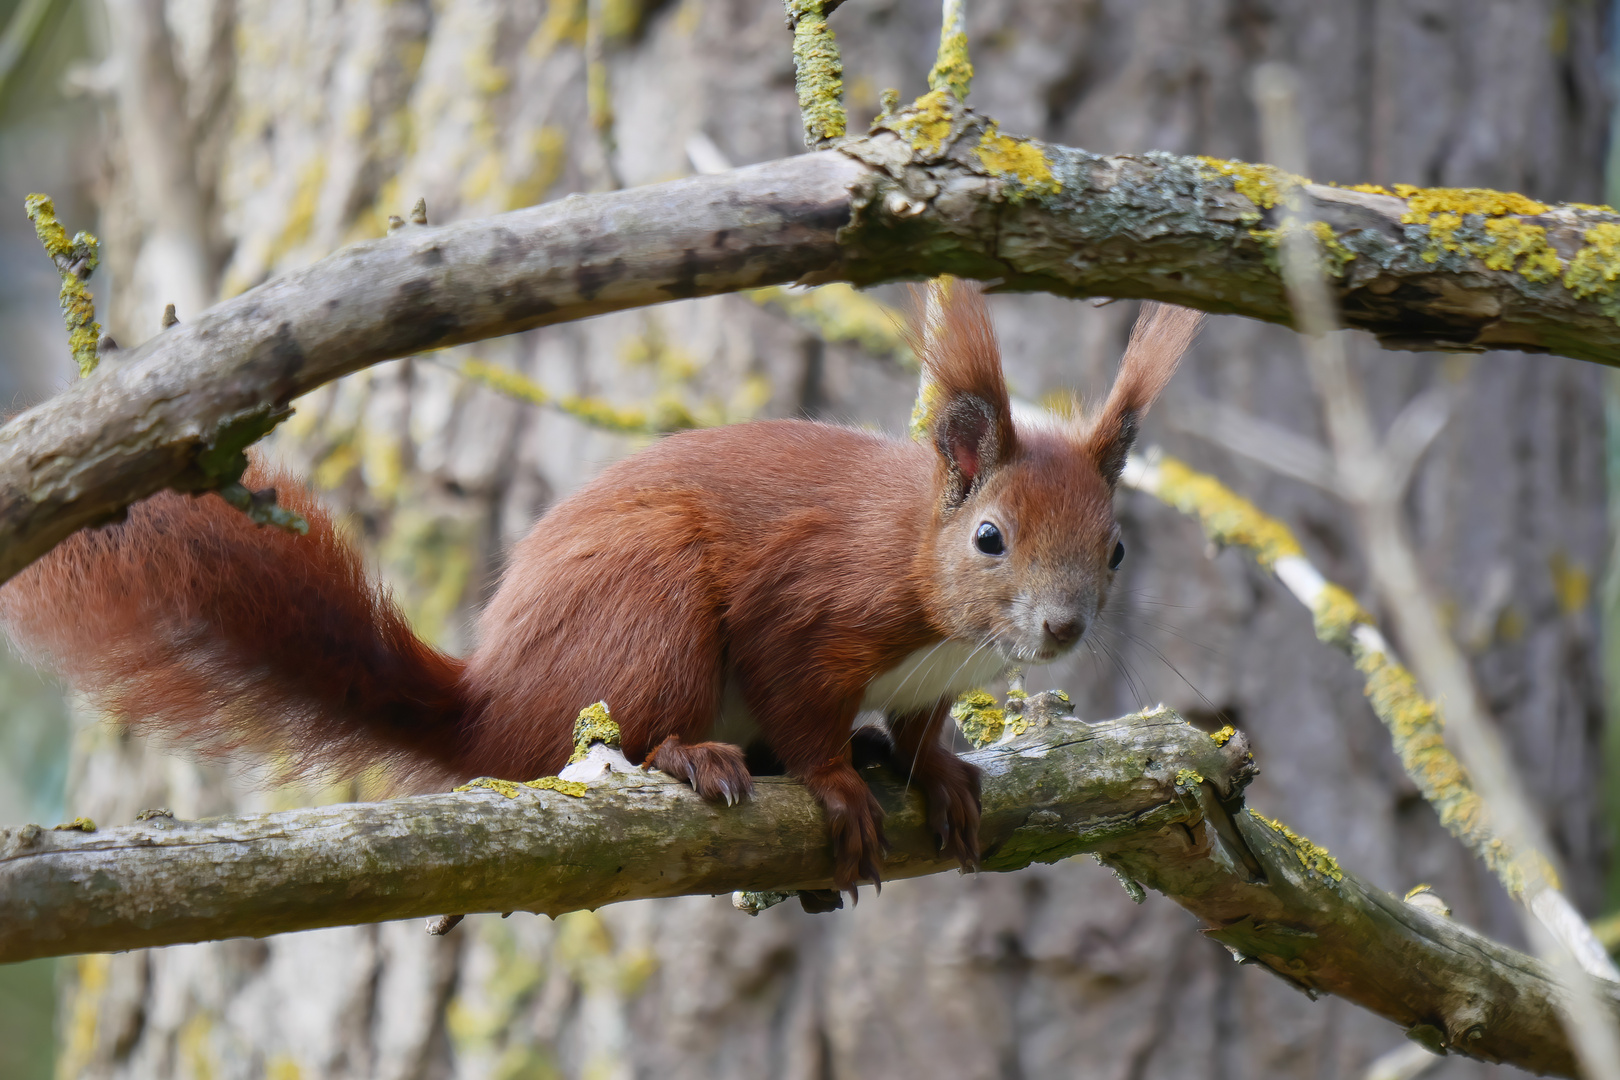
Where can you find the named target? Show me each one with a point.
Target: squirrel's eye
(1117, 557)
(988, 539)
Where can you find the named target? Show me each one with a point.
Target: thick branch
(936, 190)
(1156, 798)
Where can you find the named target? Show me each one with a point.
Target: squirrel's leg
(811, 737)
(950, 784)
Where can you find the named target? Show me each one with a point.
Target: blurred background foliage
(215, 143)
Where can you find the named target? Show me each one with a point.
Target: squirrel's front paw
(716, 770)
(951, 786)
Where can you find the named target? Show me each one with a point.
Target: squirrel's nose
(1065, 632)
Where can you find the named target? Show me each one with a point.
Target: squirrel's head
(1026, 546)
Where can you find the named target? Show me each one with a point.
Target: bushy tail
(190, 622)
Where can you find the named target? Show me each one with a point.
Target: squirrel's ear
(963, 408)
(1161, 334)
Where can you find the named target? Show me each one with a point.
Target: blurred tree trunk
(308, 124)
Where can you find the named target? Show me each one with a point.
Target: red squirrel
(783, 574)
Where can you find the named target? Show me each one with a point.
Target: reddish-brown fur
(795, 562)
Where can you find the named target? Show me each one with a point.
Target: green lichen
(1336, 614)
(1228, 518)
(1313, 857)
(78, 824)
(981, 720)
(593, 725)
(75, 260)
(261, 508)
(1595, 268)
(1224, 735)
(1021, 161)
(818, 72)
(1265, 186)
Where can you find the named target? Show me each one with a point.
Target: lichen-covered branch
(1413, 721)
(75, 261)
(1155, 798)
(936, 189)
(818, 70)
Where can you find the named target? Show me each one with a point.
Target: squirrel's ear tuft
(963, 410)
(1161, 334)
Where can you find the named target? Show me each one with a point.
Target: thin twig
(1562, 939)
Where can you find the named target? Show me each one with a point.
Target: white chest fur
(948, 669)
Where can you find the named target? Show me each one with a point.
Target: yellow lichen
(1572, 584)
(510, 788)
(1420, 202)
(594, 724)
(1228, 518)
(927, 123)
(1335, 256)
(952, 70)
(1595, 268)
(549, 150)
(840, 313)
(979, 718)
(1313, 857)
(1224, 735)
(1263, 185)
(819, 72)
(1416, 731)
(75, 260)
(1370, 189)
(1509, 243)
(507, 788)
(1020, 160)
(1336, 614)
(1189, 778)
(552, 783)
(78, 824)
(922, 410)
(77, 1030)
(301, 209)
(667, 415)
(1513, 239)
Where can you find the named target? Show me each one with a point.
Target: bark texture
(480, 106)
(1153, 797)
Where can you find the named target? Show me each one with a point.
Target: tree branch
(1155, 798)
(937, 189)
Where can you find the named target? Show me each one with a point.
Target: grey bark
(1153, 797)
(1048, 972)
(173, 411)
